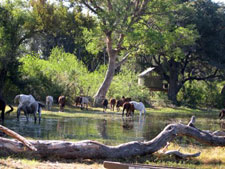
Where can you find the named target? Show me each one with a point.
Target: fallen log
(88, 149)
(18, 137)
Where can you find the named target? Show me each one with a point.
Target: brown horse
(129, 107)
(105, 104)
(78, 101)
(120, 103)
(2, 108)
(222, 114)
(112, 103)
(62, 102)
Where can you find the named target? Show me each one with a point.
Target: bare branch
(89, 7)
(122, 61)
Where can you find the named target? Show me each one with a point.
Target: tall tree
(187, 44)
(60, 26)
(116, 19)
(14, 31)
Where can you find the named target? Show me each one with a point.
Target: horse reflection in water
(141, 124)
(128, 123)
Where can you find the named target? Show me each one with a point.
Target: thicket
(63, 74)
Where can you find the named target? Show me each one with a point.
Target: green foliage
(125, 84)
(200, 93)
(64, 74)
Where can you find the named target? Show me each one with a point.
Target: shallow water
(111, 131)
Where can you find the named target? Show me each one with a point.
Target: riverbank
(211, 157)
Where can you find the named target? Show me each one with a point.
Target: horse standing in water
(120, 103)
(30, 108)
(129, 107)
(62, 102)
(28, 105)
(23, 98)
(49, 102)
(2, 108)
(139, 106)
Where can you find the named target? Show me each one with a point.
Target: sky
(223, 1)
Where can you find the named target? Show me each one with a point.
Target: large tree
(61, 26)
(187, 44)
(14, 31)
(116, 19)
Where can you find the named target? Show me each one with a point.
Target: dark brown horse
(222, 114)
(62, 102)
(120, 103)
(78, 101)
(105, 104)
(129, 107)
(2, 108)
(112, 103)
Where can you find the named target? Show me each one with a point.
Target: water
(112, 130)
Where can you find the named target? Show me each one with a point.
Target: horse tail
(11, 109)
(41, 104)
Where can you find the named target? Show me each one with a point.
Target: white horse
(139, 106)
(21, 98)
(84, 101)
(29, 105)
(49, 102)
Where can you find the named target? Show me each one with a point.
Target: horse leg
(39, 114)
(35, 118)
(140, 112)
(18, 114)
(26, 114)
(3, 113)
(123, 111)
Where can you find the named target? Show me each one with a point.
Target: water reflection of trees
(102, 128)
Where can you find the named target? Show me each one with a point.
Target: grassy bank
(211, 157)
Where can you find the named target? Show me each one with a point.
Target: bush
(201, 93)
(64, 74)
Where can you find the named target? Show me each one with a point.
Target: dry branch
(182, 155)
(18, 137)
(95, 150)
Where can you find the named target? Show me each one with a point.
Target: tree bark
(101, 93)
(88, 149)
(3, 73)
(173, 82)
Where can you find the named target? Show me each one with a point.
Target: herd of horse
(30, 106)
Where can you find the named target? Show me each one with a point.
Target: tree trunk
(102, 91)
(173, 82)
(93, 150)
(3, 73)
